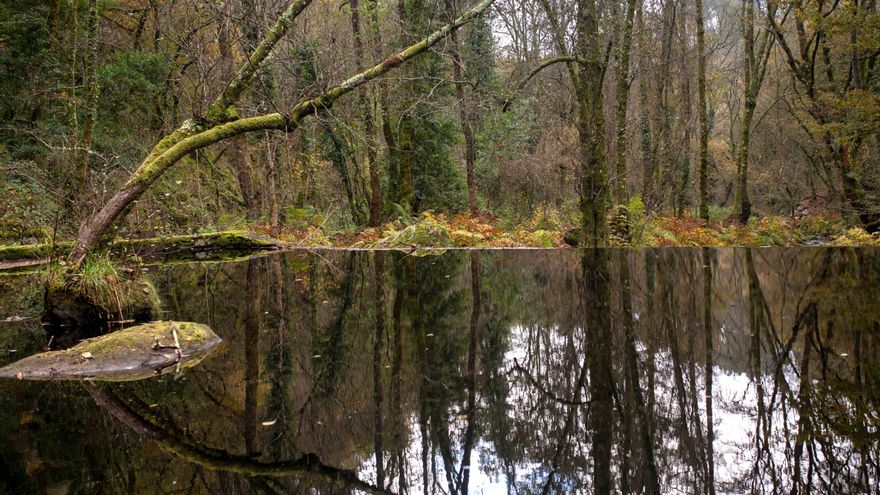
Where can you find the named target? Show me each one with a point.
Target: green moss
(234, 242)
(124, 355)
(101, 285)
(32, 251)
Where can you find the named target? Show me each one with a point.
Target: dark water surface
(606, 371)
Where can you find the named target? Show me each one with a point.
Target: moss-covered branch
(260, 55)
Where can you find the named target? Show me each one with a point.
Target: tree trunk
(597, 297)
(375, 217)
(90, 100)
(463, 114)
(646, 147)
(744, 205)
(704, 124)
(622, 100)
(591, 128)
(471, 379)
(378, 432)
(708, 329)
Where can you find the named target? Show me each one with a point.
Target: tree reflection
(596, 371)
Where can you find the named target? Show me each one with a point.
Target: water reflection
(660, 371)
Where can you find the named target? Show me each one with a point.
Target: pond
(499, 371)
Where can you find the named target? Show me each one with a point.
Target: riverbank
(462, 230)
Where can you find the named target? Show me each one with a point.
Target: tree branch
(543, 65)
(257, 58)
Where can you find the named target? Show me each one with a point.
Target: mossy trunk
(704, 123)
(375, 217)
(622, 102)
(163, 249)
(90, 98)
(591, 128)
(464, 115)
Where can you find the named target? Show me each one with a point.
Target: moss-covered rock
(134, 353)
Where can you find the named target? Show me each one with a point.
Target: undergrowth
(547, 228)
(99, 282)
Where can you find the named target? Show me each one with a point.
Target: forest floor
(428, 230)
(462, 230)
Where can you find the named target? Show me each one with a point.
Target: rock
(134, 353)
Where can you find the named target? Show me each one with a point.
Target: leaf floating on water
(124, 355)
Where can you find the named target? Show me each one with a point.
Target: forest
(495, 123)
(228, 234)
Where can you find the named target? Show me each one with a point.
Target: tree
(623, 84)
(220, 123)
(704, 124)
(591, 126)
(464, 113)
(754, 69)
(840, 125)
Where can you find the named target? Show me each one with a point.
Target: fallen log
(134, 353)
(163, 249)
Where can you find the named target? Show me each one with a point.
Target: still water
(561, 371)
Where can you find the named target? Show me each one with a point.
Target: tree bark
(591, 127)
(464, 116)
(704, 124)
(90, 100)
(622, 101)
(375, 217)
